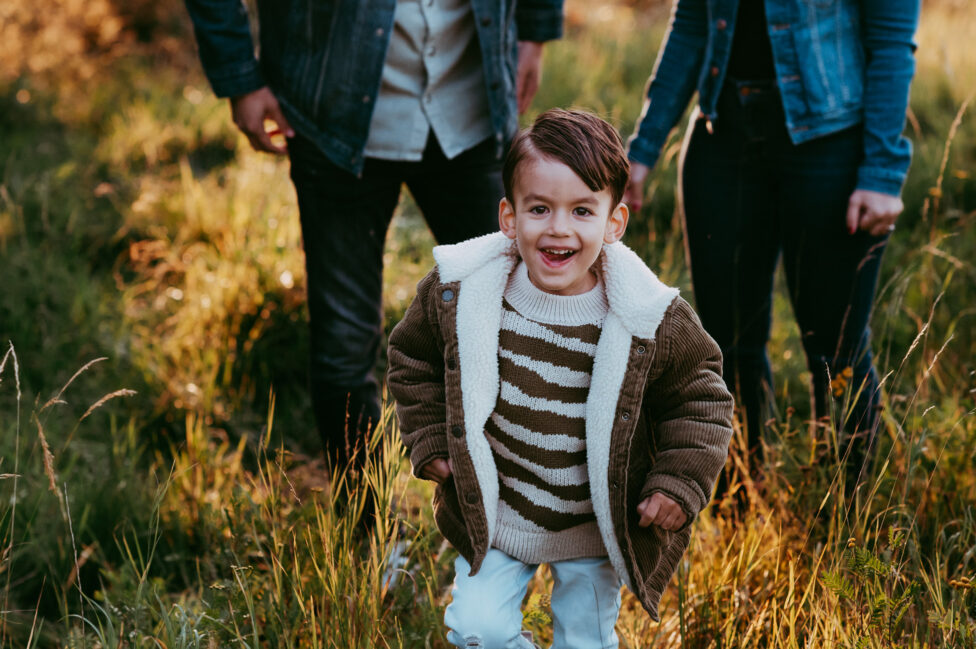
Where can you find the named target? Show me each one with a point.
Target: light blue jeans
(486, 611)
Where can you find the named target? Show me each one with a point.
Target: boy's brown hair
(582, 141)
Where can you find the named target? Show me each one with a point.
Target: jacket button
(714, 71)
(486, 21)
(641, 349)
(447, 295)
(721, 24)
(616, 485)
(451, 364)
(625, 415)
(457, 431)
(471, 498)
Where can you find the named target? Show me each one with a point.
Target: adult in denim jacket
(795, 149)
(318, 76)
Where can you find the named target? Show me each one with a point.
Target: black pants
(344, 223)
(751, 196)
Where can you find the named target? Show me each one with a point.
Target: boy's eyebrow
(589, 199)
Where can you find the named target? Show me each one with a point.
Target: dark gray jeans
(751, 196)
(344, 223)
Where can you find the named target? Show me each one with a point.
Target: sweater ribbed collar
(535, 304)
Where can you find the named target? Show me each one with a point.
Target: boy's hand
(437, 470)
(662, 511)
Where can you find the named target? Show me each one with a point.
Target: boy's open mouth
(556, 255)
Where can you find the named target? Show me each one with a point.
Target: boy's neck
(541, 306)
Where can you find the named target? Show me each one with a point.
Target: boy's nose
(559, 223)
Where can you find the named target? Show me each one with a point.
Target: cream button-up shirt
(432, 80)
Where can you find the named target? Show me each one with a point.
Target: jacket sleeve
(889, 30)
(691, 412)
(673, 81)
(539, 20)
(226, 49)
(415, 378)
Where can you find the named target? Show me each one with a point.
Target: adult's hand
(529, 73)
(634, 194)
(662, 511)
(872, 212)
(249, 113)
(437, 470)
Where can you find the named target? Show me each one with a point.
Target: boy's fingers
(653, 508)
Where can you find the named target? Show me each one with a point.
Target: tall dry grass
(136, 224)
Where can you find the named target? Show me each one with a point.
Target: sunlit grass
(136, 224)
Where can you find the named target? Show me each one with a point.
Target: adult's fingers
(634, 196)
(528, 86)
(528, 73)
(251, 110)
(854, 207)
(634, 192)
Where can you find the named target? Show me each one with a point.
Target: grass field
(159, 476)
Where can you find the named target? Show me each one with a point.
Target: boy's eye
(582, 211)
(538, 209)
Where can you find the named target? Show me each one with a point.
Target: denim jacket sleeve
(889, 29)
(673, 82)
(226, 49)
(539, 20)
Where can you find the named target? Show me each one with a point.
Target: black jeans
(750, 196)
(344, 223)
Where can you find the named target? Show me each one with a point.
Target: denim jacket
(323, 59)
(838, 63)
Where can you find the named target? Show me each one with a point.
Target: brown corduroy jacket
(658, 415)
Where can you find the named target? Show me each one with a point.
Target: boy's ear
(616, 224)
(506, 218)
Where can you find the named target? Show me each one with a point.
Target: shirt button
(625, 415)
(448, 294)
(721, 24)
(471, 498)
(457, 431)
(431, 51)
(365, 99)
(379, 31)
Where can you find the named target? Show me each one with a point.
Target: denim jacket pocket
(828, 47)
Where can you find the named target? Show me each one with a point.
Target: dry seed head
(107, 397)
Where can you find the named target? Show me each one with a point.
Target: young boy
(568, 404)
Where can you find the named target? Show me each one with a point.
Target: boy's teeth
(557, 252)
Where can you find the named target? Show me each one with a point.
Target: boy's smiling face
(559, 224)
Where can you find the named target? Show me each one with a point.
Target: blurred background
(137, 227)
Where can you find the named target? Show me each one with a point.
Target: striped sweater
(537, 431)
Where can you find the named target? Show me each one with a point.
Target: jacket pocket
(447, 514)
(830, 56)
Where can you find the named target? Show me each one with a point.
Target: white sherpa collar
(634, 292)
